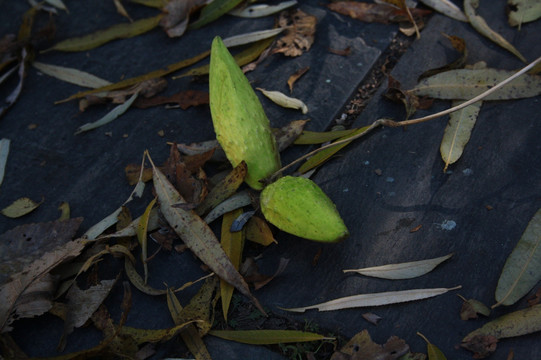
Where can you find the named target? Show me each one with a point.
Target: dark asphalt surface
(501, 167)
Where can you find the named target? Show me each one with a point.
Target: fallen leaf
(471, 308)
(204, 146)
(522, 269)
(197, 235)
(58, 4)
(536, 298)
(522, 11)
(70, 75)
(406, 270)
(184, 99)
(201, 306)
(138, 281)
(177, 15)
(236, 201)
(189, 335)
(133, 172)
(142, 228)
(483, 340)
(401, 4)
(457, 132)
(267, 337)
(433, 352)
(284, 100)
(251, 37)
(122, 10)
(119, 31)
(261, 10)
(369, 12)
(316, 137)
(343, 52)
(224, 189)
(20, 207)
(361, 347)
(213, 11)
(110, 116)
(296, 76)
(376, 299)
(288, 134)
(371, 318)
(233, 244)
(14, 95)
(464, 84)
(252, 275)
(447, 8)
(479, 24)
(4, 152)
(326, 154)
(258, 231)
(301, 29)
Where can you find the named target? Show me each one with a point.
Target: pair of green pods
(293, 204)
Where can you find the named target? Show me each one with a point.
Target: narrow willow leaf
(406, 270)
(447, 8)
(20, 207)
(202, 304)
(58, 4)
(458, 132)
(376, 299)
(251, 37)
(286, 135)
(119, 31)
(232, 243)
(197, 235)
(139, 79)
(4, 152)
(142, 336)
(433, 352)
(131, 229)
(482, 27)
(522, 11)
(224, 189)
(157, 4)
(261, 10)
(284, 100)
(142, 228)
(138, 281)
(213, 11)
(70, 75)
(267, 337)
(521, 322)
(236, 201)
(522, 270)
(190, 335)
(242, 58)
(316, 137)
(464, 84)
(326, 154)
(110, 116)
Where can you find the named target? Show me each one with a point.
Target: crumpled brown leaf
(361, 347)
(184, 99)
(481, 345)
(300, 32)
(178, 12)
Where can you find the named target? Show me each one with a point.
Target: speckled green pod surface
(298, 206)
(241, 126)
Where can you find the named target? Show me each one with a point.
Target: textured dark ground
(501, 167)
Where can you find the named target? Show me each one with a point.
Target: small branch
(392, 123)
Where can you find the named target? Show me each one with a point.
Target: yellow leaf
(258, 231)
(433, 352)
(101, 37)
(142, 228)
(64, 207)
(267, 337)
(20, 207)
(232, 243)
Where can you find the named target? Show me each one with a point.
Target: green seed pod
(298, 206)
(241, 126)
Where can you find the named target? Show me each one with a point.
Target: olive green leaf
(267, 337)
(213, 11)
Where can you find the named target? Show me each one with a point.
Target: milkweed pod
(242, 128)
(298, 206)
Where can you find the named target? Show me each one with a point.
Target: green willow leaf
(100, 37)
(522, 270)
(326, 154)
(213, 11)
(267, 337)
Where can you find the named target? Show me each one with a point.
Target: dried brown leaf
(184, 99)
(369, 12)
(361, 347)
(301, 29)
(296, 76)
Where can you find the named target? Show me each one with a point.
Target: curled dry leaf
(522, 269)
(471, 308)
(406, 270)
(177, 15)
(376, 299)
(361, 347)
(301, 29)
(260, 10)
(296, 76)
(483, 340)
(284, 100)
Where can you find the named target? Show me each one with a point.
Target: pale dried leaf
(20, 207)
(284, 100)
(523, 11)
(482, 27)
(110, 116)
(376, 299)
(407, 270)
(236, 201)
(522, 270)
(261, 10)
(70, 75)
(447, 8)
(251, 37)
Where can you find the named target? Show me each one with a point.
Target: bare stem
(391, 123)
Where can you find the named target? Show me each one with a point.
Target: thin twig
(391, 123)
